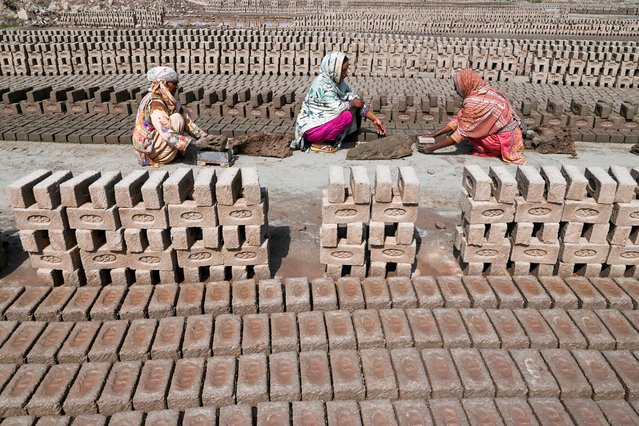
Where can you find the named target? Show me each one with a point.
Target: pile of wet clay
(550, 140)
(261, 144)
(387, 148)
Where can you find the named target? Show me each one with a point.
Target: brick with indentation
(600, 375)
(505, 375)
(312, 331)
(411, 376)
(510, 332)
(585, 411)
(273, 413)
(631, 287)
(481, 331)
(516, 411)
(236, 415)
(137, 343)
(444, 381)
(402, 293)
(536, 374)
(615, 296)
(452, 328)
(455, 295)
(119, 387)
(343, 412)
(534, 294)
(255, 334)
(168, 338)
(284, 377)
(480, 292)
(427, 292)
(186, 384)
(86, 388)
(595, 332)
(252, 385)
(80, 304)
(537, 329)
(473, 373)
(217, 298)
(244, 297)
(23, 308)
(624, 333)
(315, 376)
(571, 380)
(396, 329)
(376, 293)
(77, 345)
(8, 295)
(270, 298)
(448, 411)
(377, 412)
(482, 410)
(106, 345)
(368, 329)
(160, 304)
(131, 418)
(619, 412)
(47, 399)
(136, 301)
(347, 376)
(15, 349)
(424, 328)
(197, 336)
(199, 416)
(308, 413)
(227, 335)
(49, 343)
(340, 330)
(568, 334)
(51, 308)
(378, 374)
(507, 294)
(349, 293)
(324, 294)
(18, 391)
(297, 295)
(549, 410)
(107, 304)
(412, 412)
(589, 296)
(562, 296)
(219, 381)
(163, 417)
(284, 332)
(90, 420)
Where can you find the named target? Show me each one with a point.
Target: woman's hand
(381, 130)
(357, 103)
(426, 148)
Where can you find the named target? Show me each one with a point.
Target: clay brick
(482, 410)
(227, 187)
(255, 338)
(179, 186)
(427, 292)
(20, 192)
(376, 293)
(455, 295)
(516, 411)
(346, 212)
(168, 338)
(46, 347)
(549, 410)
(244, 297)
(273, 413)
(504, 184)
(452, 328)
(217, 298)
(618, 412)
(343, 412)
(252, 385)
(284, 377)
(309, 413)
(316, 376)
(396, 329)
(199, 416)
(448, 411)
(505, 375)
(102, 191)
(51, 308)
(284, 332)
(86, 388)
(347, 376)
(615, 296)
(378, 374)
(383, 188)
(197, 336)
(131, 418)
(631, 287)
(162, 418)
(18, 391)
(536, 374)
(19, 421)
(424, 329)
(576, 183)
(160, 305)
(137, 344)
(412, 412)
(534, 294)
(601, 186)
(90, 420)
(119, 387)
(186, 383)
(53, 421)
(23, 308)
(360, 186)
(567, 332)
(236, 415)
(226, 338)
(408, 185)
(625, 184)
(537, 330)
(76, 347)
(297, 295)
(75, 192)
(80, 304)
(368, 328)
(106, 345)
(481, 294)
(204, 188)
(600, 375)
(510, 332)
(270, 298)
(312, 331)
(47, 191)
(596, 334)
(587, 294)
(136, 302)
(34, 218)
(219, 381)
(47, 399)
(507, 294)
(324, 295)
(107, 304)
(481, 331)
(477, 182)
(377, 412)
(340, 330)
(585, 411)
(190, 299)
(349, 293)
(8, 295)
(473, 373)
(572, 382)
(620, 328)
(241, 213)
(627, 369)
(402, 293)
(128, 191)
(410, 373)
(561, 294)
(442, 374)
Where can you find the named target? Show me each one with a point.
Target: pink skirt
(329, 132)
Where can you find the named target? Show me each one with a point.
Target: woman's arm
(376, 121)
(190, 126)
(162, 124)
(429, 149)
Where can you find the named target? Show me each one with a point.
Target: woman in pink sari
(486, 119)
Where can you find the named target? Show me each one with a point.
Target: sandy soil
(295, 186)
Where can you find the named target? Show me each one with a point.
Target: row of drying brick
(228, 334)
(111, 301)
(75, 389)
(408, 412)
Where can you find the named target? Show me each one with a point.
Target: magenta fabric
(331, 130)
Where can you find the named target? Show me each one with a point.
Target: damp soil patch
(550, 140)
(261, 144)
(387, 148)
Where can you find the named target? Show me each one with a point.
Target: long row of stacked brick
(97, 228)
(359, 230)
(551, 221)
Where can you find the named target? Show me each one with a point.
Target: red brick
(312, 331)
(163, 418)
(86, 388)
(442, 374)
(601, 376)
(161, 304)
(152, 388)
(533, 292)
(219, 381)
(506, 377)
(136, 302)
(473, 373)
(482, 410)
(508, 295)
(137, 343)
(51, 308)
(402, 293)
(347, 375)
(22, 309)
(227, 335)
(244, 297)
(168, 338)
(106, 345)
(631, 287)
(190, 299)
(619, 412)
(252, 384)
(510, 332)
(538, 377)
(284, 332)
(589, 297)
(516, 411)
(340, 330)
(627, 368)
(595, 332)
(376, 293)
(108, 303)
(80, 304)
(427, 292)
(615, 296)
(448, 411)
(119, 387)
(8, 294)
(297, 295)
(199, 416)
(19, 421)
(424, 328)
(378, 374)
(561, 294)
(77, 345)
(368, 328)
(550, 411)
(16, 348)
(455, 295)
(623, 332)
(480, 292)
(377, 412)
(131, 418)
(308, 413)
(284, 377)
(186, 384)
(343, 412)
(572, 382)
(18, 391)
(481, 331)
(350, 294)
(6, 372)
(217, 298)
(271, 298)
(316, 376)
(236, 415)
(411, 376)
(324, 294)
(396, 329)
(255, 334)
(537, 330)
(585, 412)
(452, 328)
(273, 414)
(567, 332)
(90, 420)
(197, 336)
(47, 399)
(412, 412)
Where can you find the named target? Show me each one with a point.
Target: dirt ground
(295, 188)
(554, 140)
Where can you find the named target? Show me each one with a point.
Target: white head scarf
(162, 73)
(331, 66)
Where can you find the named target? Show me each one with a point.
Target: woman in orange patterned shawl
(486, 119)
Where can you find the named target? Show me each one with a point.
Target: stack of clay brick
(551, 221)
(150, 228)
(355, 231)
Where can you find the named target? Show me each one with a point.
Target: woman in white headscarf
(330, 110)
(163, 127)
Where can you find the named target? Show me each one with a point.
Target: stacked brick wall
(113, 19)
(551, 221)
(97, 228)
(369, 230)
